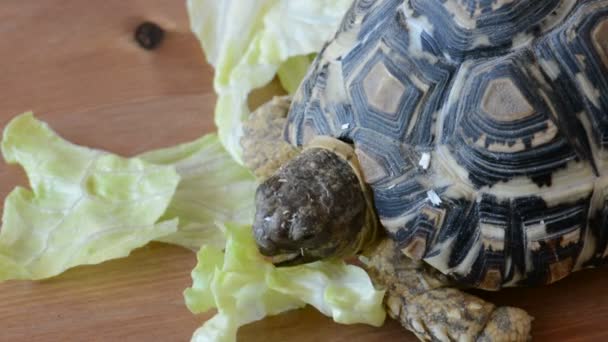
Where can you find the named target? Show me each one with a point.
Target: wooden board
(75, 64)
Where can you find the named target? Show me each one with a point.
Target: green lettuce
(85, 206)
(244, 287)
(212, 188)
(292, 72)
(248, 41)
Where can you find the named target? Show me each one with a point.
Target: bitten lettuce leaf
(244, 287)
(248, 41)
(212, 188)
(85, 206)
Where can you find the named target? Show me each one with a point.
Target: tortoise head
(313, 208)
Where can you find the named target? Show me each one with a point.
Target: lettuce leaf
(85, 206)
(212, 188)
(244, 287)
(292, 72)
(248, 41)
(336, 289)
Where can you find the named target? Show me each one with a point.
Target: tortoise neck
(370, 232)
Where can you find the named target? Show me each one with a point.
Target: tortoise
(452, 144)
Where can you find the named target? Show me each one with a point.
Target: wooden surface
(75, 64)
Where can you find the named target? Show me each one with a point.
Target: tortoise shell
(481, 127)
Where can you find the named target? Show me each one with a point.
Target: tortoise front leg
(264, 149)
(421, 299)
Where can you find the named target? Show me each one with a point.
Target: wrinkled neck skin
(369, 232)
(317, 206)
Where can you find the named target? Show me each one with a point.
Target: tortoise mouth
(287, 259)
(281, 256)
(292, 259)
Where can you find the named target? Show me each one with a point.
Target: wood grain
(75, 64)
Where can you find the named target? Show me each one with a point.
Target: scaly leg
(421, 299)
(264, 149)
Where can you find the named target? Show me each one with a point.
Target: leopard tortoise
(452, 143)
